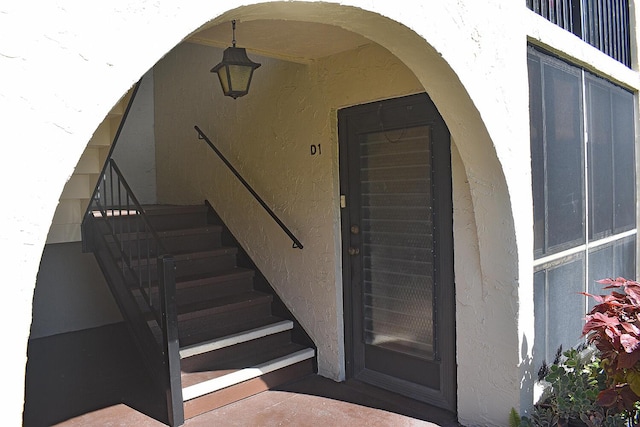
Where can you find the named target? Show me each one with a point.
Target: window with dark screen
(583, 184)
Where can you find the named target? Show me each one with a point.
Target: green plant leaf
(633, 379)
(514, 418)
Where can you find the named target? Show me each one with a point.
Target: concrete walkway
(267, 409)
(92, 378)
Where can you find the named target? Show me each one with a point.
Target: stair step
(174, 209)
(201, 287)
(234, 339)
(211, 401)
(183, 240)
(161, 217)
(217, 331)
(227, 380)
(193, 263)
(196, 318)
(222, 276)
(170, 217)
(218, 306)
(225, 283)
(222, 305)
(213, 261)
(127, 235)
(232, 357)
(194, 374)
(232, 346)
(200, 334)
(188, 256)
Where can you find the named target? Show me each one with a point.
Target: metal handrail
(116, 138)
(137, 246)
(296, 243)
(133, 223)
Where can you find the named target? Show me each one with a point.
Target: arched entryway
(474, 153)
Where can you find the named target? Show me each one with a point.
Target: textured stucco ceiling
(289, 40)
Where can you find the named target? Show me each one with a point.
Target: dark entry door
(397, 248)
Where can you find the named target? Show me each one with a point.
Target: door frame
(444, 297)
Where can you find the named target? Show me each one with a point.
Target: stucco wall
(467, 67)
(71, 293)
(267, 135)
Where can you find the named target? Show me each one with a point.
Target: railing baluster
(598, 24)
(103, 201)
(121, 204)
(121, 221)
(616, 23)
(138, 257)
(166, 274)
(607, 22)
(626, 42)
(129, 251)
(149, 272)
(111, 190)
(603, 24)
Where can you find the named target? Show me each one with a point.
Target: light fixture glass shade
(235, 72)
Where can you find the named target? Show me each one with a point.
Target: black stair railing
(144, 284)
(139, 272)
(296, 243)
(135, 244)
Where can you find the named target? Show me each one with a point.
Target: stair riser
(184, 268)
(160, 222)
(192, 326)
(126, 224)
(195, 243)
(178, 221)
(229, 395)
(172, 244)
(221, 289)
(205, 265)
(217, 303)
(226, 358)
(188, 295)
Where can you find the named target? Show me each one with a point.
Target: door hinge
(343, 201)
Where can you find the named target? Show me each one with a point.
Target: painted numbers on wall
(316, 149)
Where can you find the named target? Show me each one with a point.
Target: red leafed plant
(613, 326)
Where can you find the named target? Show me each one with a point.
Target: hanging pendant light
(236, 69)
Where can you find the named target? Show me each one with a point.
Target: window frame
(622, 240)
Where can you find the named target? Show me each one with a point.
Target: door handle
(354, 251)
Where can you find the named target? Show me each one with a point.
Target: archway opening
(319, 91)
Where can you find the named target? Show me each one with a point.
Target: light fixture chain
(233, 27)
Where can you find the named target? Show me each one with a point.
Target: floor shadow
(359, 393)
(73, 374)
(81, 373)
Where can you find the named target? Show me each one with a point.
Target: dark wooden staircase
(232, 343)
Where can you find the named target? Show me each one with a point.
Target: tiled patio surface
(86, 379)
